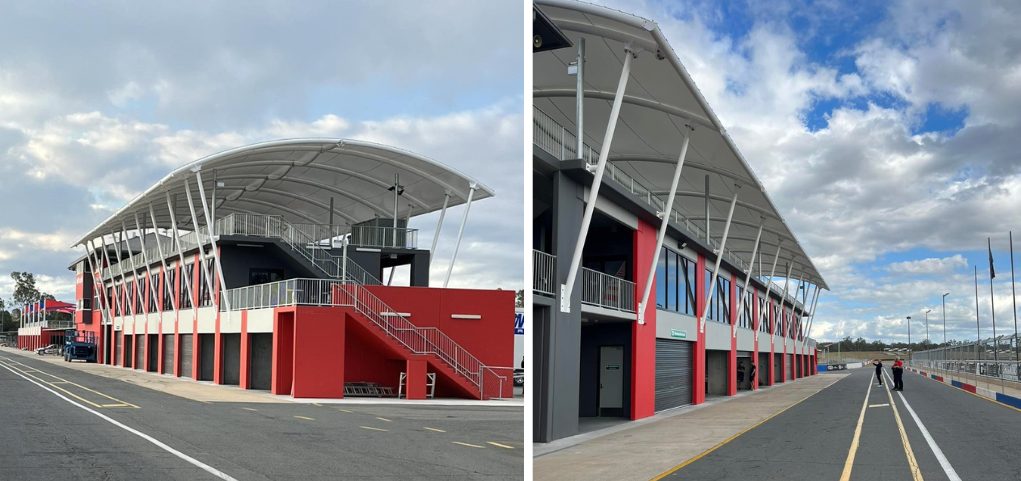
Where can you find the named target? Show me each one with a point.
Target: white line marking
(205, 467)
(943, 461)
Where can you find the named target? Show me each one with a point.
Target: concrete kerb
(653, 444)
(209, 392)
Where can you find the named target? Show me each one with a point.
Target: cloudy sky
(886, 134)
(100, 100)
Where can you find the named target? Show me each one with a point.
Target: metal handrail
(544, 272)
(603, 290)
(348, 293)
(383, 236)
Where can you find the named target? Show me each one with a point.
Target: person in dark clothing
(751, 374)
(879, 370)
(740, 374)
(898, 375)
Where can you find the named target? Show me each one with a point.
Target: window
(205, 296)
(153, 291)
(263, 276)
(744, 318)
(110, 301)
(168, 288)
(185, 298)
(675, 283)
(763, 314)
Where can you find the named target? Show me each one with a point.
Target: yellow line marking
(500, 445)
(468, 444)
(384, 419)
(305, 418)
(345, 410)
(251, 409)
(916, 473)
(435, 429)
(121, 405)
(54, 385)
(735, 436)
(317, 405)
(878, 405)
(853, 450)
(373, 429)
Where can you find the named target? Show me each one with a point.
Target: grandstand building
(43, 323)
(271, 266)
(662, 272)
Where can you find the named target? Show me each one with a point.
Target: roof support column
(661, 235)
(439, 225)
(198, 239)
(124, 280)
(815, 298)
(460, 231)
(769, 286)
(104, 307)
(590, 206)
(212, 240)
(180, 252)
(113, 280)
(790, 317)
(786, 282)
(719, 259)
(148, 271)
(748, 277)
(579, 100)
(168, 289)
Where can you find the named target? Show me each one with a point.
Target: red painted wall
(283, 351)
(318, 367)
(643, 336)
(368, 359)
(491, 338)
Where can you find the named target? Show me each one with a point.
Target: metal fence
(381, 236)
(992, 359)
(544, 272)
(604, 290)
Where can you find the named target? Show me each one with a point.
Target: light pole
(945, 317)
(927, 311)
(909, 337)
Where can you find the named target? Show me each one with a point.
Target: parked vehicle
(80, 346)
(51, 349)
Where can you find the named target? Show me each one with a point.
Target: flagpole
(1013, 296)
(978, 329)
(992, 305)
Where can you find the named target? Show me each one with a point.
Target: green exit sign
(679, 334)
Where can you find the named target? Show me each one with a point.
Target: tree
(519, 298)
(25, 291)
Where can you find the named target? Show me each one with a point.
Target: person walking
(879, 370)
(898, 375)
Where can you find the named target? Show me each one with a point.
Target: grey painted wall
(594, 336)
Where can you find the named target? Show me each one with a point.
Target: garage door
(168, 354)
(777, 360)
(140, 351)
(231, 358)
(790, 366)
(261, 360)
(117, 349)
(128, 352)
(763, 368)
(186, 353)
(673, 373)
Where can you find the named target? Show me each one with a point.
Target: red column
(246, 356)
(282, 373)
(772, 341)
(732, 356)
(755, 336)
(196, 353)
(217, 338)
(415, 381)
(698, 357)
(643, 336)
(318, 367)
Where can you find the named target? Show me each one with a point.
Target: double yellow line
(61, 384)
(916, 473)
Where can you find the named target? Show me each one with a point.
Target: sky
(885, 132)
(99, 100)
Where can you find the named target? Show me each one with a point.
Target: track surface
(44, 437)
(980, 439)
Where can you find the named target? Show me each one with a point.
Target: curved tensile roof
(661, 103)
(296, 178)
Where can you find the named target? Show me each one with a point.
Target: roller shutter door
(673, 373)
(117, 349)
(129, 341)
(186, 353)
(790, 366)
(140, 351)
(777, 358)
(168, 354)
(763, 368)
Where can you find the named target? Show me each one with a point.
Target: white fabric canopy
(661, 104)
(296, 178)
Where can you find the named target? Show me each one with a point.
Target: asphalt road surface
(120, 431)
(978, 439)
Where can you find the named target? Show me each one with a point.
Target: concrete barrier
(999, 397)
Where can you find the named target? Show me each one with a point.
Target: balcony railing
(544, 273)
(604, 290)
(556, 140)
(382, 236)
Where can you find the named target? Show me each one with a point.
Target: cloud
(868, 182)
(931, 265)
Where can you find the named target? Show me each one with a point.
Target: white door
(611, 377)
